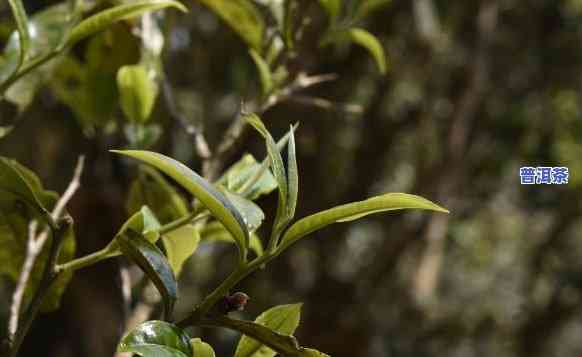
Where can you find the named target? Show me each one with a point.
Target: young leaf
(264, 72)
(179, 245)
(215, 231)
(371, 43)
(243, 17)
(332, 7)
(249, 178)
(138, 92)
(292, 175)
(14, 181)
(157, 338)
(355, 210)
(282, 319)
(107, 17)
(201, 348)
(282, 217)
(22, 24)
(153, 263)
(252, 214)
(208, 195)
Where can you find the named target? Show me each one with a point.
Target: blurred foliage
(473, 91)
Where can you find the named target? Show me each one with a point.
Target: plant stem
(48, 277)
(189, 218)
(85, 261)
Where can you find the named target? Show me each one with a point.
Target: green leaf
(249, 178)
(108, 17)
(309, 352)
(208, 195)
(18, 182)
(355, 210)
(264, 72)
(292, 175)
(252, 214)
(157, 339)
(47, 31)
(22, 24)
(201, 348)
(282, 319)
(370, 43)
(179, 245)
(282, 217)
(144, 221)
(367, 7)
(332, 7)
(153, 190)
(215, 231)
(243, 17)
(153, 263)
(5, 130)
(138, 92)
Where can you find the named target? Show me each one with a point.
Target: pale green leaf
(201, 348)
(208, 195)
(252, 214)
(215, 231)
(370, 43)
(282, 319)
(179, 245)
(5, 130)
(249, 178)
(108, 17)
(137, 91)
(264, 72)
(355, 210)
(243, 17)
(292, 175)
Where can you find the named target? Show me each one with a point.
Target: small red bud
(236, 301)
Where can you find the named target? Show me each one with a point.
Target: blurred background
(474, 90)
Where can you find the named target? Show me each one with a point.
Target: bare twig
(35, 245)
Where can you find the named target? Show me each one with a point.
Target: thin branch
(35, 245)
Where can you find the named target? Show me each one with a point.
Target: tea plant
(37, 233)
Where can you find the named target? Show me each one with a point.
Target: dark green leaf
(355, 210)
(252, 214)
(208, 195)
(282, 319)
(138, 92)
(243, 17)
(157, 339)
(153, 263)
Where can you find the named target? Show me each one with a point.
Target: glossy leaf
(179, 245)
(249, 178)
(370, 43)
(153, 263)
(332, 7)
(355, 210)
(215, 231)
(208, 195)
(108, 17)
(292, 175)
(157, 339)
(264, 72)
(21, 20)
(243, 17)
(138, 92)
(201, 348)
(282, 217)
(252, 214)
(282, 319)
